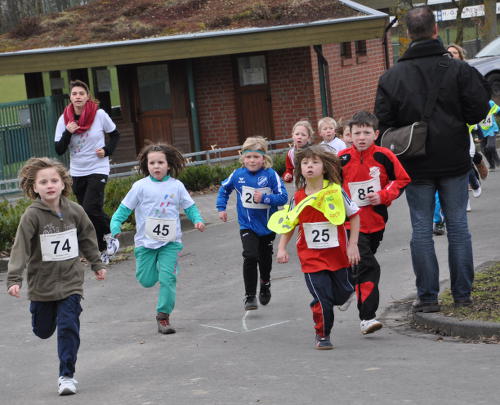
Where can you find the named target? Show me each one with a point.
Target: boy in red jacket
(373, 177)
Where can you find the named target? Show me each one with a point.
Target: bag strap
(437, 84)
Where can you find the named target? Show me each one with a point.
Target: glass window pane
(252, 70)
(154, 87)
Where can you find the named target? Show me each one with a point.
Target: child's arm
(194, 216)
(352, 244)
(87, 243)
(279, 194)
(19, 255)
(223, 196)
(398, 180)
(288, 173)
(282, 255)
(119, 217)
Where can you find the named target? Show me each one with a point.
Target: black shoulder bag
(408, 142)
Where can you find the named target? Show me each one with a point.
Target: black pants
(489, 148)
(257, 251)
(89, 191)
(366, 274)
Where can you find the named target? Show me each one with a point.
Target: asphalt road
(222, 355)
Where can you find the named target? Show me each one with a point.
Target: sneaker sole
(323, 347)
(67, 391)
(372, 329)
(166, 332)
(251, 308)
(264, 301)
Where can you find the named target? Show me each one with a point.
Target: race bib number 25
(321, 235)
(59, 246)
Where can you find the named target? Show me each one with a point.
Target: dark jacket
(463, 98)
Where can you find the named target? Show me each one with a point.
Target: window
(361, 48)
(252, 70)
(345, 50)
(154, 87)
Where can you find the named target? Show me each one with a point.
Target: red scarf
(86, 117)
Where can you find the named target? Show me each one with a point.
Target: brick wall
(353, 83)
(292, 90)
(216, 101)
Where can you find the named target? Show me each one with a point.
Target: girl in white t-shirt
(157, 200)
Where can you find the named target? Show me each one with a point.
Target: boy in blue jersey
(260, 192)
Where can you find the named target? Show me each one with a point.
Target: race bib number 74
(59, 246)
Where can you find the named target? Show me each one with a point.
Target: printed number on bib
(321, 235)
(360, 189)
(59, 246)
(161, 229)
(487, 122)
(247, 197)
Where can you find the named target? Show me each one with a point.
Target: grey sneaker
(67, 385)
(250, 303)
(439, 228)
(322, 343)
(164, 326)
(424, 306)
(370, 326)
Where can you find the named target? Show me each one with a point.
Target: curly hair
(257, 143)
(27, 175)
(331, 165)
(175, 160)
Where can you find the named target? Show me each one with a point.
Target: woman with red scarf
(83, 127)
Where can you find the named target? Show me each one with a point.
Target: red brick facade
(294, 88)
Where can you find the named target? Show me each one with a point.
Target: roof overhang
(186, 46)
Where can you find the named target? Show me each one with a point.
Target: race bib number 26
(59, 246)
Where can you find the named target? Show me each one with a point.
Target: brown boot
(163, 321)
(482, 169)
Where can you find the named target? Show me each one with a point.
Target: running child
(324, 249)
(259, 193)
(302, 136)
(327, 128)
(157, 200)
(373, 177)
(51, 235)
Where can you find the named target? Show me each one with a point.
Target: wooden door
(253, 97)
(154, 104)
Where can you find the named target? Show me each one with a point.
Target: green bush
(10, 215)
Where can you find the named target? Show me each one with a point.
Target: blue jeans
(65, 315)
(453, 196)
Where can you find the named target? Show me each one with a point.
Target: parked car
(487, 61)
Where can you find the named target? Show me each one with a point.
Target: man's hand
(14, 290)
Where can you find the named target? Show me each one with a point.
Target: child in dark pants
(373, 177)
(51, 233)
(259, 193)
(320, 210)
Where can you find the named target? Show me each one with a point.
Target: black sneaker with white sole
(250, 303)
(265, 293)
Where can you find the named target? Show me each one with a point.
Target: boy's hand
(257, 196)
(100, 153)
(374, 198)
(287, 177)
(14, 290)
(353, 253)
(282, 256)
(200, 226)
(223, 216)
(100, 274)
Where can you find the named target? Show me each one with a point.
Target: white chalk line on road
(245, 329)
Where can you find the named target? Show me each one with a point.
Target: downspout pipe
(195, 124)
(385, 45)
(322, 62)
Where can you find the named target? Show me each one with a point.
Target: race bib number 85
(321, 235)
(161, 229)
(360, 189)
(59, 246)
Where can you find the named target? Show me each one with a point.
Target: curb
(448, 326)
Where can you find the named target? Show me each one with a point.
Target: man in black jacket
(463, 98)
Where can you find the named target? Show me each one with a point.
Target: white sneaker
(104, 257)
(347, 304)
(370, 326)
(112, 244)
(469, 209)
(477, 193)
(67, 385)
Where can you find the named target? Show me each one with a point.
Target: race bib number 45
(59, 246)
(161, 229)
(247, 197)
(321, 235)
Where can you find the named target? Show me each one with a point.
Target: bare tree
(460, 5)
(489, 31)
